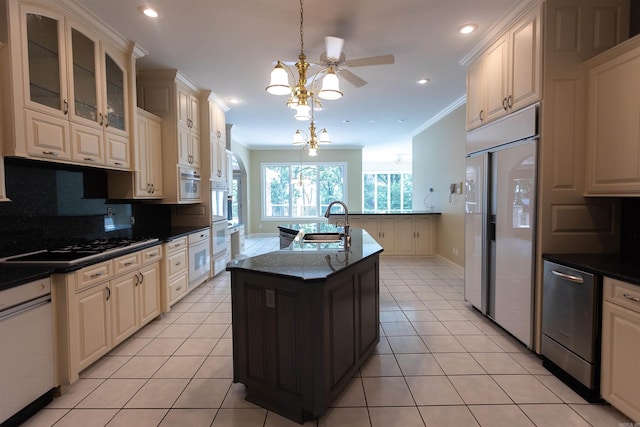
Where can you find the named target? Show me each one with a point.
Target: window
(301, 190)
(387, 192)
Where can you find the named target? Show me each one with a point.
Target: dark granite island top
(305, 319)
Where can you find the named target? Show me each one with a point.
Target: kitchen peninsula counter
(305, 318)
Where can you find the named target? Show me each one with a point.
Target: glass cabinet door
(45, 57)
(115, 94)
(85, 80)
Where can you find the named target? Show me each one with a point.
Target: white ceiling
(230, 47)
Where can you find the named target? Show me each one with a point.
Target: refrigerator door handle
(492, 228)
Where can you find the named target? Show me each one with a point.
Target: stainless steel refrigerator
(500, 221)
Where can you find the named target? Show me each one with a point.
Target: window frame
(375, 173)
(291, 165)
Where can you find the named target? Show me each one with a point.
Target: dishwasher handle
(569, 277)
(26, 306)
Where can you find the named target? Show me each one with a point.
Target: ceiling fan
(334, 57)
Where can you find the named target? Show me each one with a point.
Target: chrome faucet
(347, 237)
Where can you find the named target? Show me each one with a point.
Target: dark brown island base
(305, 318)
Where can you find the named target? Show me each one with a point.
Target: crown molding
(441, 115)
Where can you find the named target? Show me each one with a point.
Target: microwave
(190, 185)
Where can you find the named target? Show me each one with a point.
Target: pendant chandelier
(301, 97)
(311, 140)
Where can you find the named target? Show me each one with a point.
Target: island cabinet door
(272, 341)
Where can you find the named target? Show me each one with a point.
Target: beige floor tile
(525, 389)
(235, 397)
(276, 420)
(461, 327)
(412, 305)
(204, 307)
(210, 330)
(213, 298)
(383, 346)
(161, 347)
(219, 318)
(404, 296)
(478, 344)
(113, 393)
(168, 317)
(530, 362)
(182, 307)
(500, 416)
(418, 364)
(430, 328)
(459, 416)
(177, 331)
(105, 367)
(130, 346)
(196, 318)
(389, 305)
(486, 326)
(443, 344)
(510, 344)
(458, 364)
(203, 393)
(395, 417)
(216, 367)
(75, 393)
(224, 347)
(138, 418)
(86, 418)
(392, 316)
(189, 417)
(438, 305)
(601, 415)
(498, 363)
(158, 393)
(449, 315)
(564, 392)
(398, 329)
(223, 307)
(46, 417)
(381, 365)
(433, 390)
(479, 390)
(352, 395)
(429, 295)
(140, 367)
(420, 316)
(180, 367)
(240, 418)
(151, 330)
(407, 345)
(553, 416)
(345, 417)
(196, 347)
(387, 391)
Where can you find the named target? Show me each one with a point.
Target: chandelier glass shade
(300, 97)
(311, 141)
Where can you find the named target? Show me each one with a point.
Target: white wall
(438, 161)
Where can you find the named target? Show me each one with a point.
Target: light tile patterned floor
(439, 363)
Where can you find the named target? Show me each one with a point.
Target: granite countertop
(15, 275)
(310, 261)
(615, 266)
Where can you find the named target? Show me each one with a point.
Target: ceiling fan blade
(352, 78)
(372, 60)
(333, 47)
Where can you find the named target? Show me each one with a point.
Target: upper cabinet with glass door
(70, 87)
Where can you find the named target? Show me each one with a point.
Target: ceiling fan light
(324, 137)
(330, 87)
(298, 138)
(303, 112)
(279, 84)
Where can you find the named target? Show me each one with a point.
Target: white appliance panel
(475, 220)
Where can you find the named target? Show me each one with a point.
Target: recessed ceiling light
(233, 100)
(346, 121)
(422, 80)
(468, 28)
(148, 11)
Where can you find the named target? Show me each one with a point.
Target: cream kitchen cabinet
(170, 95)
(416, 235)
(103, 304)
(383, 228)
(613, 134)
(146, 181)
(175, 272)
(69, 88)
(507, 76)
(620, 346)
(218, 141)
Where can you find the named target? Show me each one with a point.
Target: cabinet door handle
(96, 275)
(65, 108)
(101, 121)
(505, 105)
(631, 297)
(137, 279)
(51, 153)
(118, 163)
(152, 255)
(128, 263)
(510, 101)
(178, 263)
(481, 115)
(178, 288)
(90, 159)
(141, 278)
(108, 293)
(106, 120)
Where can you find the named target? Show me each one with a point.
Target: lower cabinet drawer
(177, 287)
(621, 293)
(177, 262)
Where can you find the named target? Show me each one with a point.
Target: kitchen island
(305, 318)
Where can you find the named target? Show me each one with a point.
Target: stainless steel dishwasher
(26, 351)
(571, 327)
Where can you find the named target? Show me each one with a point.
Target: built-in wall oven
(220, 245)
(190, 185)
(199, 257)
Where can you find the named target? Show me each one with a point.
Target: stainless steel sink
(322, 238)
